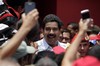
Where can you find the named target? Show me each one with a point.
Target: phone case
(85, 14)
(29, 6)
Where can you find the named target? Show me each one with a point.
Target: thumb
(23, 16)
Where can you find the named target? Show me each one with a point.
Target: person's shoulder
(39, 41)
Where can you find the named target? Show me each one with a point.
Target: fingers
(86, 21)
(84, 24)
(23, 16)
(30, 19)
(36, 15)
(33, 13)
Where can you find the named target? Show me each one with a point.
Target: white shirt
(43, 45)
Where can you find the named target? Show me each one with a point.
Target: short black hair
(66, 31)
(52, 18)
(15, 3)
(45, 53)
(74, 24)
(46, 62)
(59, 58)
(93, 30)
(95, 51)
(33, 35)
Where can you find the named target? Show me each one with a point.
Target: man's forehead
(51, 27)
(84, 42)
(52, 23)
(66, 35)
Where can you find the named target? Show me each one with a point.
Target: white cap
(22, 50)
(3, 26)
(29, 49)
(1, 2)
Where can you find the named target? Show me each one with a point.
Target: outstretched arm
(29, 21)
(70, 54)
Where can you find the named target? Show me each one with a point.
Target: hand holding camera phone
(85, 14)
(29, 6)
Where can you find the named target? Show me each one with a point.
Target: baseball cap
(83, 39)
(87, 61)
(23, 49)
(96, 37)
(58, 49)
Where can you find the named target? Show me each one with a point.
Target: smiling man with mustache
(51, 30)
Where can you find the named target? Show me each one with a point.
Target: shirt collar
(47, 46)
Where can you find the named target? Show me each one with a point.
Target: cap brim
(3, 26)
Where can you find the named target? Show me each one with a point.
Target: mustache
(51, 35)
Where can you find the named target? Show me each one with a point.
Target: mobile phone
(29, 6)
(85, 14)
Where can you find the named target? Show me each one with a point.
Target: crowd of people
(24, 43)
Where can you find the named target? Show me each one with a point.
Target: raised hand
(84, 24)
(30, 19)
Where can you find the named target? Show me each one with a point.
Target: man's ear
(42, 30)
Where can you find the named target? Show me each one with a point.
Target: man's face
(65, 37)
(51, 32)
(70, 27)
(98, 42)
(83, 48)
(41, 35)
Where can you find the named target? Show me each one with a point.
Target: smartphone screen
(29, 6)
(85, 14)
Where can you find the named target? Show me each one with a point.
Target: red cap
(58, 49)
(87, 61)
(97, 37)
(5, 15)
